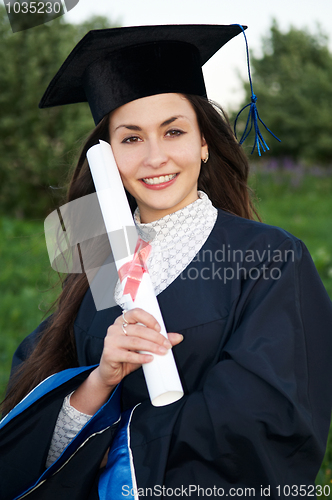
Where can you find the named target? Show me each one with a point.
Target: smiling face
(158, 148)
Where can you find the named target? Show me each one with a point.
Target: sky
(222, 71)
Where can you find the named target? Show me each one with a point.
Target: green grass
(300, 204)
(25, 277)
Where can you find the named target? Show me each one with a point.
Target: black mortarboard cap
(111, 67)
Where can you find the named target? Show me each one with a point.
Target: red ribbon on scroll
(135, 269)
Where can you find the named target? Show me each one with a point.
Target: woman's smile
(161, 182)
(158, 148)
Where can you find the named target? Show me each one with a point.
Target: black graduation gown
(255, 364)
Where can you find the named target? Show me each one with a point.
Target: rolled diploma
(161, 375)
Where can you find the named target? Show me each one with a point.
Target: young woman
(250, 321)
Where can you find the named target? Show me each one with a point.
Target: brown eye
(132, 138)
(174, 132)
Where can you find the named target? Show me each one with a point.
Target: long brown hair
(224, 178)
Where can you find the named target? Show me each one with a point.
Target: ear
(204, 149)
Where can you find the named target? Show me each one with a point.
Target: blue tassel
(253, 116)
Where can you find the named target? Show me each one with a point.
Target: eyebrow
(164, 124)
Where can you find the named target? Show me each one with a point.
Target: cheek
(188, 152)
(126, 162)
(190, 156)
(127, 181)
(194, 148)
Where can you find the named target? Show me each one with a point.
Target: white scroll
(161, 374)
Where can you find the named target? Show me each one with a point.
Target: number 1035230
(34, 7)
(303, 490)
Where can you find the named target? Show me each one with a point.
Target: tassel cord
(253, 116)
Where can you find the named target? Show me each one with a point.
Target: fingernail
(162, 349)
(167, 344)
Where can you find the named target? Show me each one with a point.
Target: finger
(138, 315)
(128, 356)
(175, 338)
(137, 330)
(137, 343)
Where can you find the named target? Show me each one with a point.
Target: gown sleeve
(262, 415)
(26, 434)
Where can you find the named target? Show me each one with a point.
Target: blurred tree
(37, 146)
(293, 83)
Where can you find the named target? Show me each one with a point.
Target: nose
(156, 155)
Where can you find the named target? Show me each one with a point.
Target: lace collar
(175, 240)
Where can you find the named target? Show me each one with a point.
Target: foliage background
(37, 147)
(293, 81)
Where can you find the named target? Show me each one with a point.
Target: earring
(206, 157)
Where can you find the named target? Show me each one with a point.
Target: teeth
(159, 180)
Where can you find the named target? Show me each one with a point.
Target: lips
(153, 181)
(160, 182)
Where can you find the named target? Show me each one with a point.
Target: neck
(148, 214)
